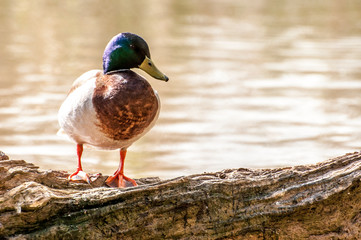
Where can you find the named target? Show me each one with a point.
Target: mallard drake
(113, 108)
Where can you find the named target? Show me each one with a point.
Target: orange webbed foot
(119, 181)
(79, 174)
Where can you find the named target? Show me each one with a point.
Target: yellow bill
(149, 67)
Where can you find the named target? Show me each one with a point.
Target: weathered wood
(321, 201)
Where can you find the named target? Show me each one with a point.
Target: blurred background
(255, 84)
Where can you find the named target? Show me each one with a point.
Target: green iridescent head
(128, 50)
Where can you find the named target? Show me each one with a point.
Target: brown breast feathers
(125, 104)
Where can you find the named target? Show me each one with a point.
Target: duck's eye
(149, 63)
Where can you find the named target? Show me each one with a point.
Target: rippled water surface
(252, 83)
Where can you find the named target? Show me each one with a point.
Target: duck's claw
(79, 175)
(94, 177)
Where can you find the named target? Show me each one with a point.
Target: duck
(112, 108)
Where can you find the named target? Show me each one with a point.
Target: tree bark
(321, 201)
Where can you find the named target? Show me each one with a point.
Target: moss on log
(321, 201)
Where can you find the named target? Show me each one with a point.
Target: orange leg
(79, 174)
(117, 180)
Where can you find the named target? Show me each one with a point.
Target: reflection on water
(252, 84)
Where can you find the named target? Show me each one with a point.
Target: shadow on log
(321, 201)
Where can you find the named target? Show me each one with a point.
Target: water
(252, 84)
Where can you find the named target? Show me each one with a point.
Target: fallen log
(321, 201)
